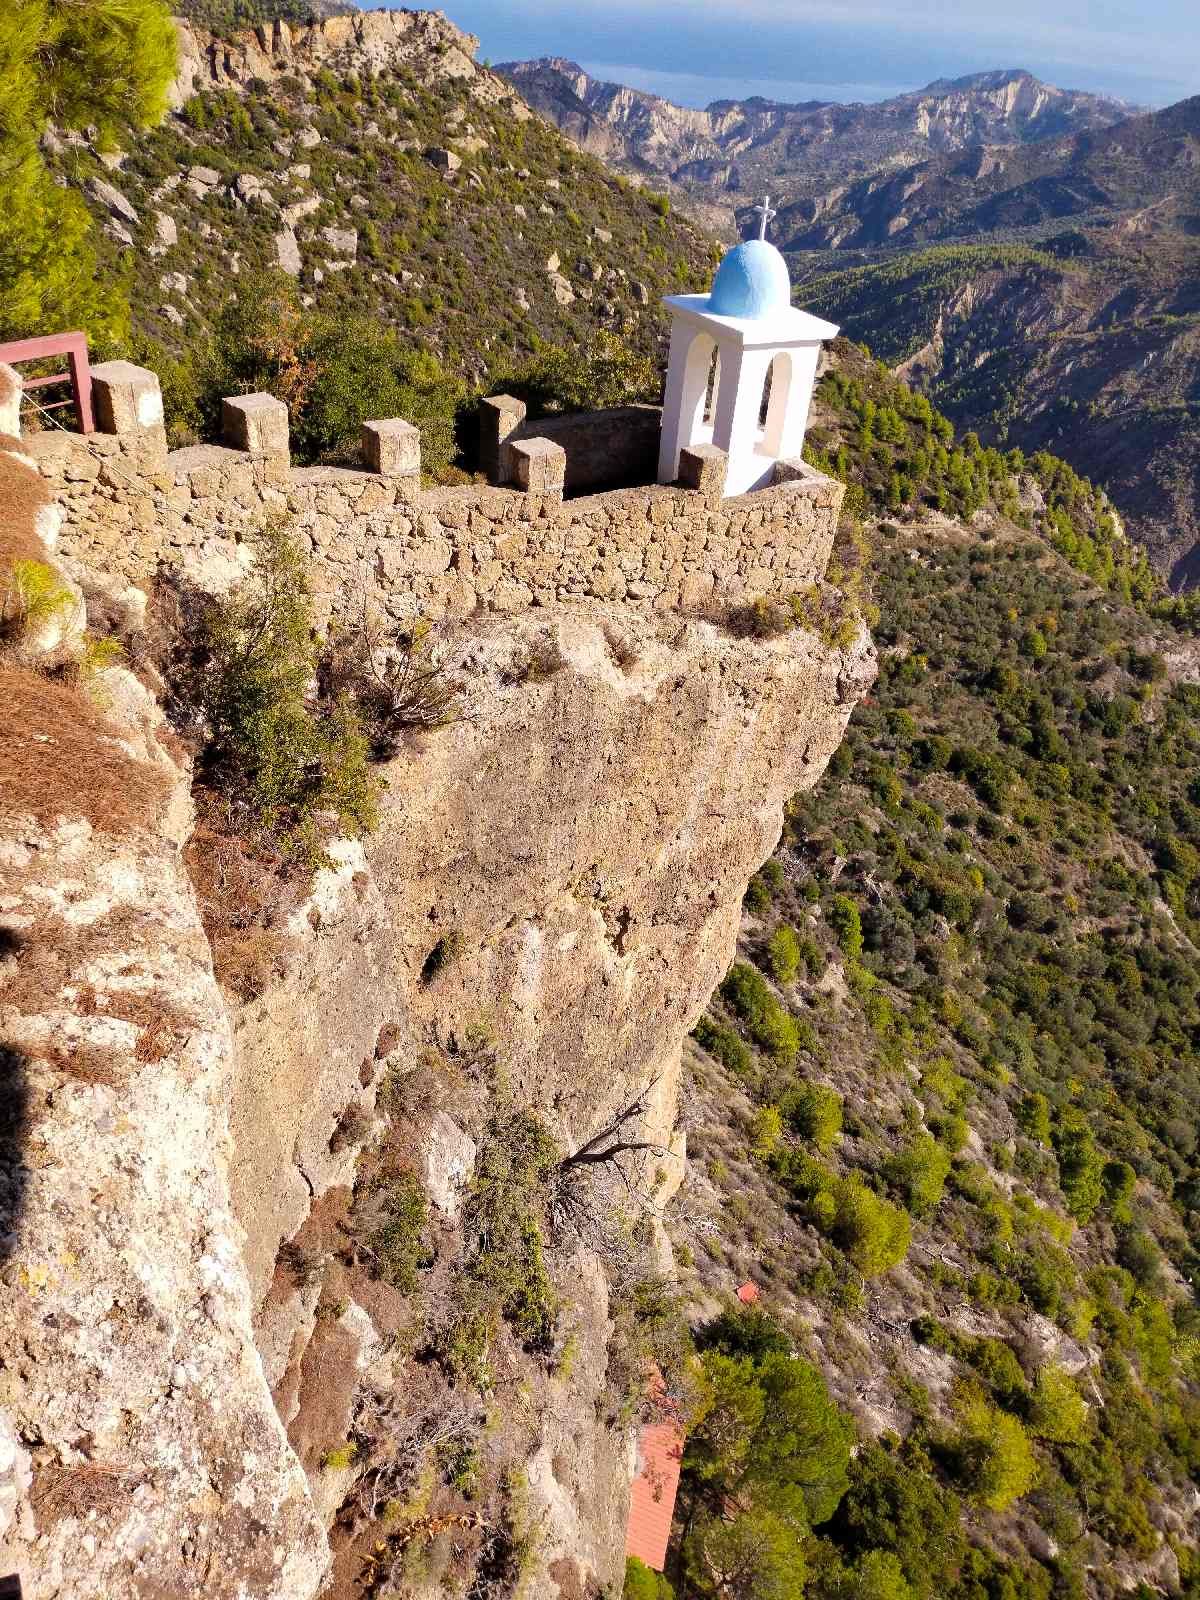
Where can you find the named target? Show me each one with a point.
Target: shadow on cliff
(14, 1131)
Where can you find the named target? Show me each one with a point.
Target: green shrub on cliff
(873, 1233)
(334, 373)
(504, 1278)
(991, 1455)
(279, 759)
(768, 1022)
(815, 1112)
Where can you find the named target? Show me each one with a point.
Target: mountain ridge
(714, 153)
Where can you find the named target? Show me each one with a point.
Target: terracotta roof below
(652, 1501)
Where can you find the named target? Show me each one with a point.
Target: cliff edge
(221, 1372)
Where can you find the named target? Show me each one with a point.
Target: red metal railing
(78, 373)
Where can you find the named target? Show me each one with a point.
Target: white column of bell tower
(735, 422)
(684, 397)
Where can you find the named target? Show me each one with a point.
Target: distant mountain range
(1028, 255)
(728, 154)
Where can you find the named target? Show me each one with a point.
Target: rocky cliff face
(139, 1450)
(378, 41)
(581, 842)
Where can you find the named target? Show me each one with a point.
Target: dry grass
(59, 757)
(244, 894)
(88, 1063)
(61, 1491)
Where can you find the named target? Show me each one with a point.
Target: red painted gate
(78, 373)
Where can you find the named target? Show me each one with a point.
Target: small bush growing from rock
(33, 597)
(351, 1128)
(272, 752)
(394, 679)
(539, 661)
(301, 1264)
(505, 1277)
(390, 1213)
(339, 1458)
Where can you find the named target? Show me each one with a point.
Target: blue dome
(751, 282)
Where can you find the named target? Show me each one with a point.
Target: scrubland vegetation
(962, 1034)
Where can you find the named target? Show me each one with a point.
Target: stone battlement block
(499, 416)
(126, 399)
(392, 448)
(703, 467)
(540, 467)
(255, 422)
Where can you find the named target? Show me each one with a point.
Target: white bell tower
(743, 333)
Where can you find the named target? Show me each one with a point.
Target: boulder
(293, 214)
(342, 240)
(441, 158)
(449, 1163)
(287, 252)
(113, 201)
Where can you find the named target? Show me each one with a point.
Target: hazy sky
(849, 49)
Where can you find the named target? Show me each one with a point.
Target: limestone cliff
(186, 1344)
(142, 1453)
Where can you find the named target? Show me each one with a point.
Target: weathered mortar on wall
(131, 507)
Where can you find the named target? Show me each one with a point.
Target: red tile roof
(652, 1503)
(748, 1294)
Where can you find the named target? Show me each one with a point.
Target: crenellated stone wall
(130, 507)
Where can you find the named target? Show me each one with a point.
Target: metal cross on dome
(765, 215)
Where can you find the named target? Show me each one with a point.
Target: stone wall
(604, 449)
(130, 507)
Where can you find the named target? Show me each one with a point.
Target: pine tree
(104, 66)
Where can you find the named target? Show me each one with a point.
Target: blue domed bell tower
(742, 367)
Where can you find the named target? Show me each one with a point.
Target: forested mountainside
(727, 154)
(943, 1109)
(1075, 325)
(224, 17)
(409, 195)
